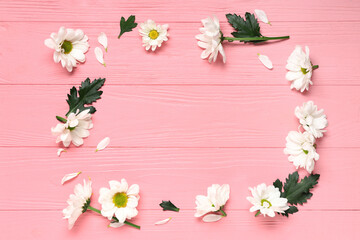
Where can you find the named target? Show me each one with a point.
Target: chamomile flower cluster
(118, 203)
(301, 146)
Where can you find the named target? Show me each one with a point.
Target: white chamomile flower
(267, 200)
(70, 47)
(78, 202)
(75, 128)
(215, 200)
(210, 39)
(301, 150)
(312, 119)
(120, 200)
(300, 69)
(153, 35)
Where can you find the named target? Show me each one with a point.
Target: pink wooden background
(176, 123)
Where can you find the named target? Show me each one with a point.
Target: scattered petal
(99, 55)
(102, 39)
(116, 224)
(163, 221)
(212, 218)
(262, 16)
(103, 144)
(59, 151)
(69, 176)
(265, 60)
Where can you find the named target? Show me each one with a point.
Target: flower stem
(61, 119)
(222, 211)
(251, 39)
(315, 67)
(257, 214)
(126, 222)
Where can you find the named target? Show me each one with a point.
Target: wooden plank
(181, 116)
(178, 61)
(336, 224)
(178, 174)
(91, 10)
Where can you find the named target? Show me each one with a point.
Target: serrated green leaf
(248, 27)
(167, 205)
(298, 192)
(278, 184)
(291, 210)
(87, 94)
(127, 25)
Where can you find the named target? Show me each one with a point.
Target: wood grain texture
(182, 116)
(175, 11)
(337, 224)
(182, 56)
(177, 124)
(169, 173)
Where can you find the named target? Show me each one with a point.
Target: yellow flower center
(265, 203)
(120, 199)
(153, 34)
(304, 71)
(67, 46)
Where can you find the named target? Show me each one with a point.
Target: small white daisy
(216, 198)
(267, 200)
(301, 150)
(75, 129)
(120, 200)
(78, 202)
(153, 35)
(70, 47)
(210, 39)
(300, 69)
(312, 119)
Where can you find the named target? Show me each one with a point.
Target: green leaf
(87, 94)
(278, 184)
(128, 25)
(167, 205)
(248, 27)
(291, 210)
(298, 192)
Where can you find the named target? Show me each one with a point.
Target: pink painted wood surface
(177, 124)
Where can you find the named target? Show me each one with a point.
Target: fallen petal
(163, 221)
(69, 176)
(262, 16)
(59, 151)
(212, 218)
(99, 55)
(103, 144)
(266, 61)
(102, 39)
(116, 224)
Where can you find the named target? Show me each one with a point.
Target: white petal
(69, 176)
(262, 16)
(265, 60)
(102, 39)
(99, 55)
(163, 221)
(116, 224)
(212, 218)
(103, 144)
(59, 151)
